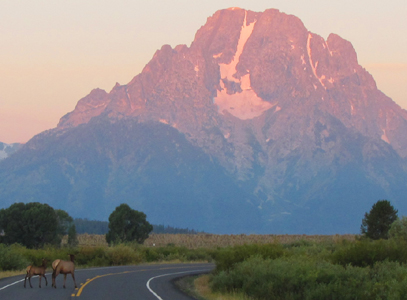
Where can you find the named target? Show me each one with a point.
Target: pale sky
(54, 52)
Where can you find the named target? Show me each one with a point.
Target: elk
(40, 271)
(64, 267)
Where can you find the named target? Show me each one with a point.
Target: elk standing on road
(64, 267)
(40, 271)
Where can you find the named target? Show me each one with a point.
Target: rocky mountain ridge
(235, 61)
(295, 124)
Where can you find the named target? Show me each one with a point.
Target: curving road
(142, 282)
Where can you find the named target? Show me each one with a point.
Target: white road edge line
(6, 286)
(15, 282)
(154, 293)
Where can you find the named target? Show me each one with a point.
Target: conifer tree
(377, 222)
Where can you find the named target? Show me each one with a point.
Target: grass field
(195, 241)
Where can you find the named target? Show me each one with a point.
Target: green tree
(32, 225)
(398, 230)
(377, 222)
(126, 224)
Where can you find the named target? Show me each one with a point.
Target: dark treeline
(102, 227)
(91, 226)
(173, 230)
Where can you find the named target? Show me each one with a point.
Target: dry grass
(194, 241)
(4, 274)
(91, 240)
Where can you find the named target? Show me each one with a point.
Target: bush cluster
(11, 258)
(227, 258)
(109, 256)
(363, 269)
(297, 278)
(368, 252)
(17, 257)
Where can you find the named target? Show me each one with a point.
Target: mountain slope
(92, 169)
(7, 149)
(281, 131)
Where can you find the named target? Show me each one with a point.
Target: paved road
(142, 282)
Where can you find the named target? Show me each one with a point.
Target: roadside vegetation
(307, 267)
(15, 258)
(372, 265)
(363, 269)
(93, 250)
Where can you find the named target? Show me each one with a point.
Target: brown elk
(40, 271)
(64, 267)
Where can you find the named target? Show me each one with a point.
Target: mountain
(7, 149)
(258, 126)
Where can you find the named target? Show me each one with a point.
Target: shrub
(151, 254)
(226, 258)
(398, 229)
(50, 253)
(298, 243)
(295, 278)
(199, 255)
(11, 258)
(92, 256)
(367, 252)
(322, 249)
(123, 255)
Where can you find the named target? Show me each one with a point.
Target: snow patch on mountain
(384, 137)
(244, 104)
(229, 70)
(314, 66)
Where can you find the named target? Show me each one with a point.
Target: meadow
(252, 266)
(203, 240)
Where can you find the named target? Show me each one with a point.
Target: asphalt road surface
(142, 282)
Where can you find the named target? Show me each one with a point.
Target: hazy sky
(54, 52)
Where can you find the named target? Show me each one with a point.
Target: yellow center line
(100, 276)
(89, 280)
